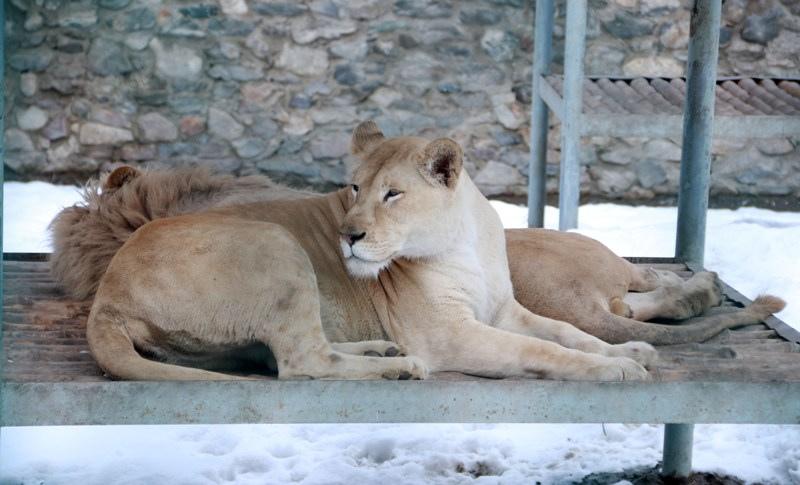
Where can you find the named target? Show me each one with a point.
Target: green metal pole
(2, 179)
(698, 121)
(542, 55)
(569, 191)
(677, 450)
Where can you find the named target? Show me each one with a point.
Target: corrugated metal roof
(657, 96)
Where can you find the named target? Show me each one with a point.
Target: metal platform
(50, 378)
(653, 107)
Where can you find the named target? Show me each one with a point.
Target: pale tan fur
(200, 288)
(571, 277)
(190, 288)
(543, 263)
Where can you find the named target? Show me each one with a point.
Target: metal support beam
(468, 400)
(542, 55)
(698, 120)
(569, 191)
(551, 98)
(668, 126)
(698, 124)
(677, 450)
(2, 179)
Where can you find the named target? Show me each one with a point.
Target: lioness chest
(463, 284)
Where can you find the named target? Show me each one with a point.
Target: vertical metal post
(2, 179)
(569, 191)
(542, 56)
(698, 119)
(677, 450)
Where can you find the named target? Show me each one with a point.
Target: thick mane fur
(87, 235)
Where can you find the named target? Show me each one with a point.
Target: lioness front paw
(641, 352)
(371, 348)
(414, 369)
(618, 369)
(386, 349)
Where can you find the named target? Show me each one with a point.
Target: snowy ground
(378, 454)
(755, 250)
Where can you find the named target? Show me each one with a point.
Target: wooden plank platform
(48, 366)
(45, 341)
(744, 107)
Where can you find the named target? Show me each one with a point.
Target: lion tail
(620, 329)
(87, 235)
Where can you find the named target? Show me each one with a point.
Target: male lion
(570, 277)
(411, 253)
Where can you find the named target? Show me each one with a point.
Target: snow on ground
(27, 210)
(739, 243)
(378, 454)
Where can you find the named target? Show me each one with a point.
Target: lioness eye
(391, 194)
(355, 188)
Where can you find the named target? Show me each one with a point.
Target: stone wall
(252, 86)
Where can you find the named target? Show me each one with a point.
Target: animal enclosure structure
(643, 107)
(649, 107)
(750, 375)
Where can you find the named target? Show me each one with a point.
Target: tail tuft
(766, 305)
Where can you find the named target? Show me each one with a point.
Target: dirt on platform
(652, 476)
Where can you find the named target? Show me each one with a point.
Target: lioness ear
(119, 177)
(366, 135)
(441, 162)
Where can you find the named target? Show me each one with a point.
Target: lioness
(411, 253)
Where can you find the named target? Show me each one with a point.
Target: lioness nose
(352, 238)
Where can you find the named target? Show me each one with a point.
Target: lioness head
(404, 199)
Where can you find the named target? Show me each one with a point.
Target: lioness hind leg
(689, 299)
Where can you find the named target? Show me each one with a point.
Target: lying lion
(220, 266)
(570, 277)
